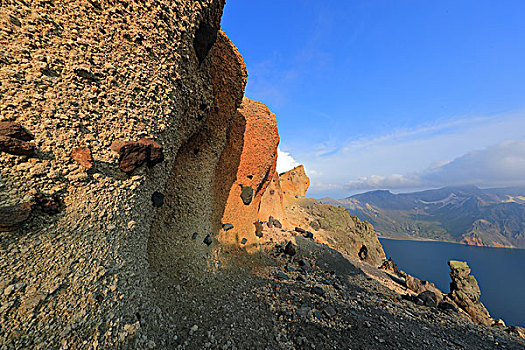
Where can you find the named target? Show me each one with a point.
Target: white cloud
(419, 156)
(499, 165)
(285, 161)
(385, 182)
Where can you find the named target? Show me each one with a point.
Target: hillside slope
(483, 217)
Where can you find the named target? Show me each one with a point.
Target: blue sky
(380, 93)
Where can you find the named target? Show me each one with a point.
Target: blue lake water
(500, 272)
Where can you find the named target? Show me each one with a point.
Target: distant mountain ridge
(466, 214)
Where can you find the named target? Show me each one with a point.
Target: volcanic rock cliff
(135, 185)
(90, 244)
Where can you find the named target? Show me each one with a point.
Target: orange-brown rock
(272, 201)
(255, 172)
(82, 155)
(294, 183)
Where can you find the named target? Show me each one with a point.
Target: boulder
(389, 265)
(516, 331)
(290, 249)
(132, 155)
(429, 298)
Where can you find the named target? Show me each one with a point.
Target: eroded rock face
(465, 292)
(294, 183)
(254, 174)
(87, 74)
(272, 202)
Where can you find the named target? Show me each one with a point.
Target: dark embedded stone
(300, 230)
(131, 155)
(15, 21)
(289, 268)
(290, 249)
(300, 278)
(318, 290)
(195, 151)
(99, 297)
(309, 234)
(194, 236)
(277, 223)
(227, 227)
(318, 315)
(244, 240)
(282, 276)
(16, 147)
(157, 199)
(246, 194)
(258, 226)
(155, 151)
(207, 240)
(363, 252)
(15, 130)
(205, 37)
(259, 234)
(86, 74)
(269, 224)
(50, 72)
(444, 305)
(12, 217)
(48, 204)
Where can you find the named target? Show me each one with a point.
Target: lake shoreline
(443, 241)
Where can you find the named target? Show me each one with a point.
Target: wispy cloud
(499, 165)
(428, 155)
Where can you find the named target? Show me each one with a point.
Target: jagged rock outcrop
(256, 147)
(465, 292)
(294, 183)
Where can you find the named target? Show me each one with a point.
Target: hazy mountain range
(466, 214)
